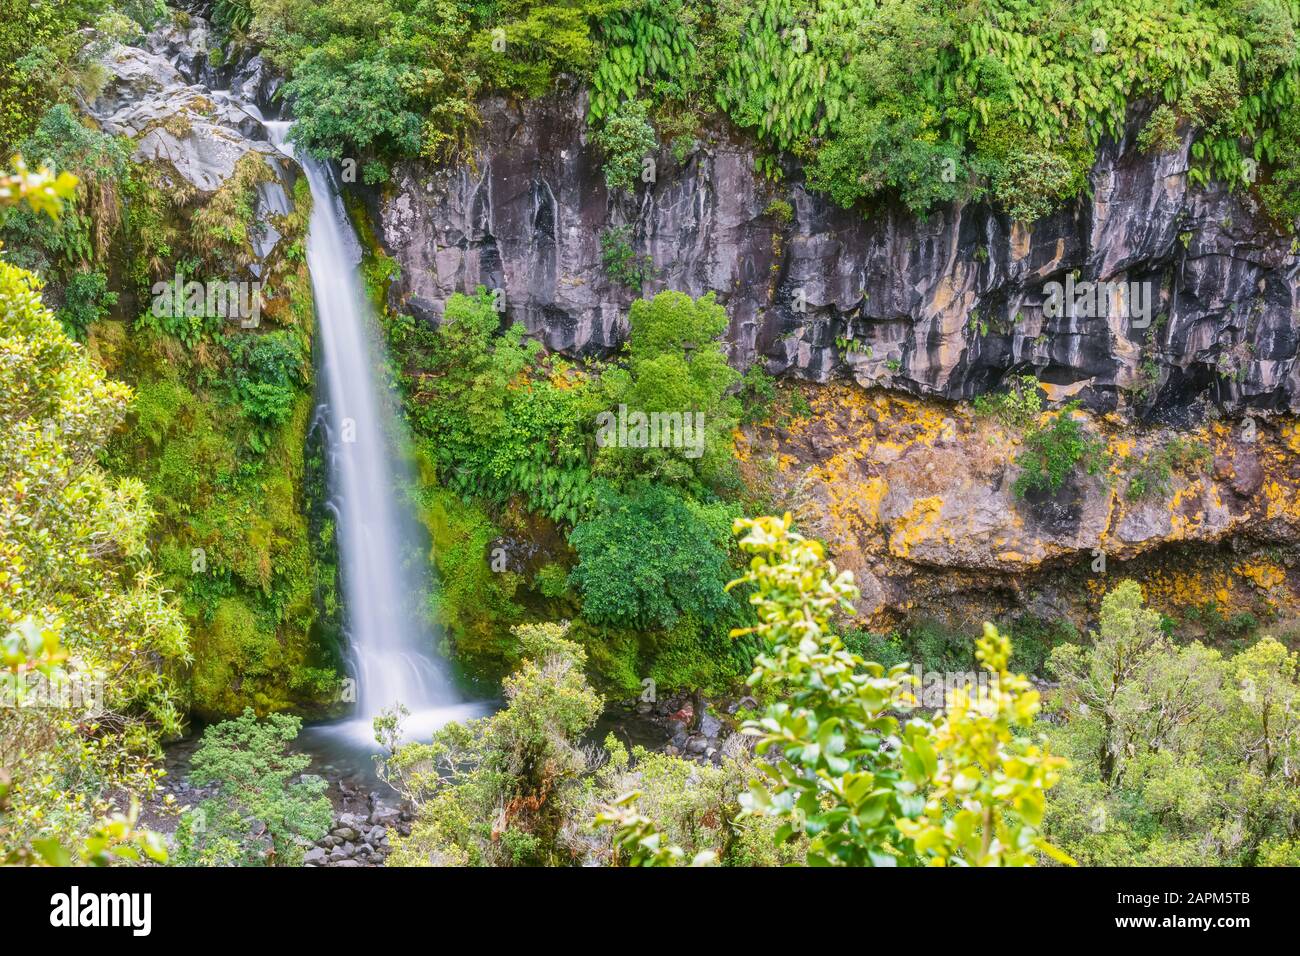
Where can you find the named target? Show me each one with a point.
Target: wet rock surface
(162, 95)
(946, 306)
(361, 838)
(682, 725)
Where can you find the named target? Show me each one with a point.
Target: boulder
(198, 133)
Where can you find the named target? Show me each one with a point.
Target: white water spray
(382, 572)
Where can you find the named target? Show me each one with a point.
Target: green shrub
(267, 375)
(491, 435)
(86, 300)
(648, 556)
(358, 104)
(1150, 474)
(757, 394)
(1174, 747)
(1160, 134)
(625, 138)
(553, 581)
(260, 813)
(1281, 192)
(967, 790)
(1053, 453)
(1018, 407)
(526, 758)
(1032, 184)
(874, 153)
(675, 363)
(620, 261)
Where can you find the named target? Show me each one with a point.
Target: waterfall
(380, 564)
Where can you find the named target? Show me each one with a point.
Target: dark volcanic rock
(948, 306)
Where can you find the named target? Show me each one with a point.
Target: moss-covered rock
(234, 536)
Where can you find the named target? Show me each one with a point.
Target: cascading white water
(382, 576)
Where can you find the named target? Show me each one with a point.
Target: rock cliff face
(944, 307)
(912, 493)
(916, 497)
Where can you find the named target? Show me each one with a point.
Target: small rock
(1248, 476)
(316, 857)
(347, 834)
(710, 725)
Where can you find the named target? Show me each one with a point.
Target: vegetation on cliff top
(924, 101)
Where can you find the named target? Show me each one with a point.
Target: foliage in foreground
(1179, 755)
(849, 784)
(966, 789)
(261, 814)
(90, 644)
(502, 790)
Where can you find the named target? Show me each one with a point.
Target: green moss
(378, 269)
(475, 605)
(229, 650)
(233, 543)
(552, 581)
(685, 657)
(614, 658)
(233, 536)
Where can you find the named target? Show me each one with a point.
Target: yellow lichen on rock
(1263, 574)
(915, 525)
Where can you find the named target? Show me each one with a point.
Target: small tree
(966, 789)
(1178, 755)
(499, 791)
(1105, 677)
(258, 816)
(675, 363)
